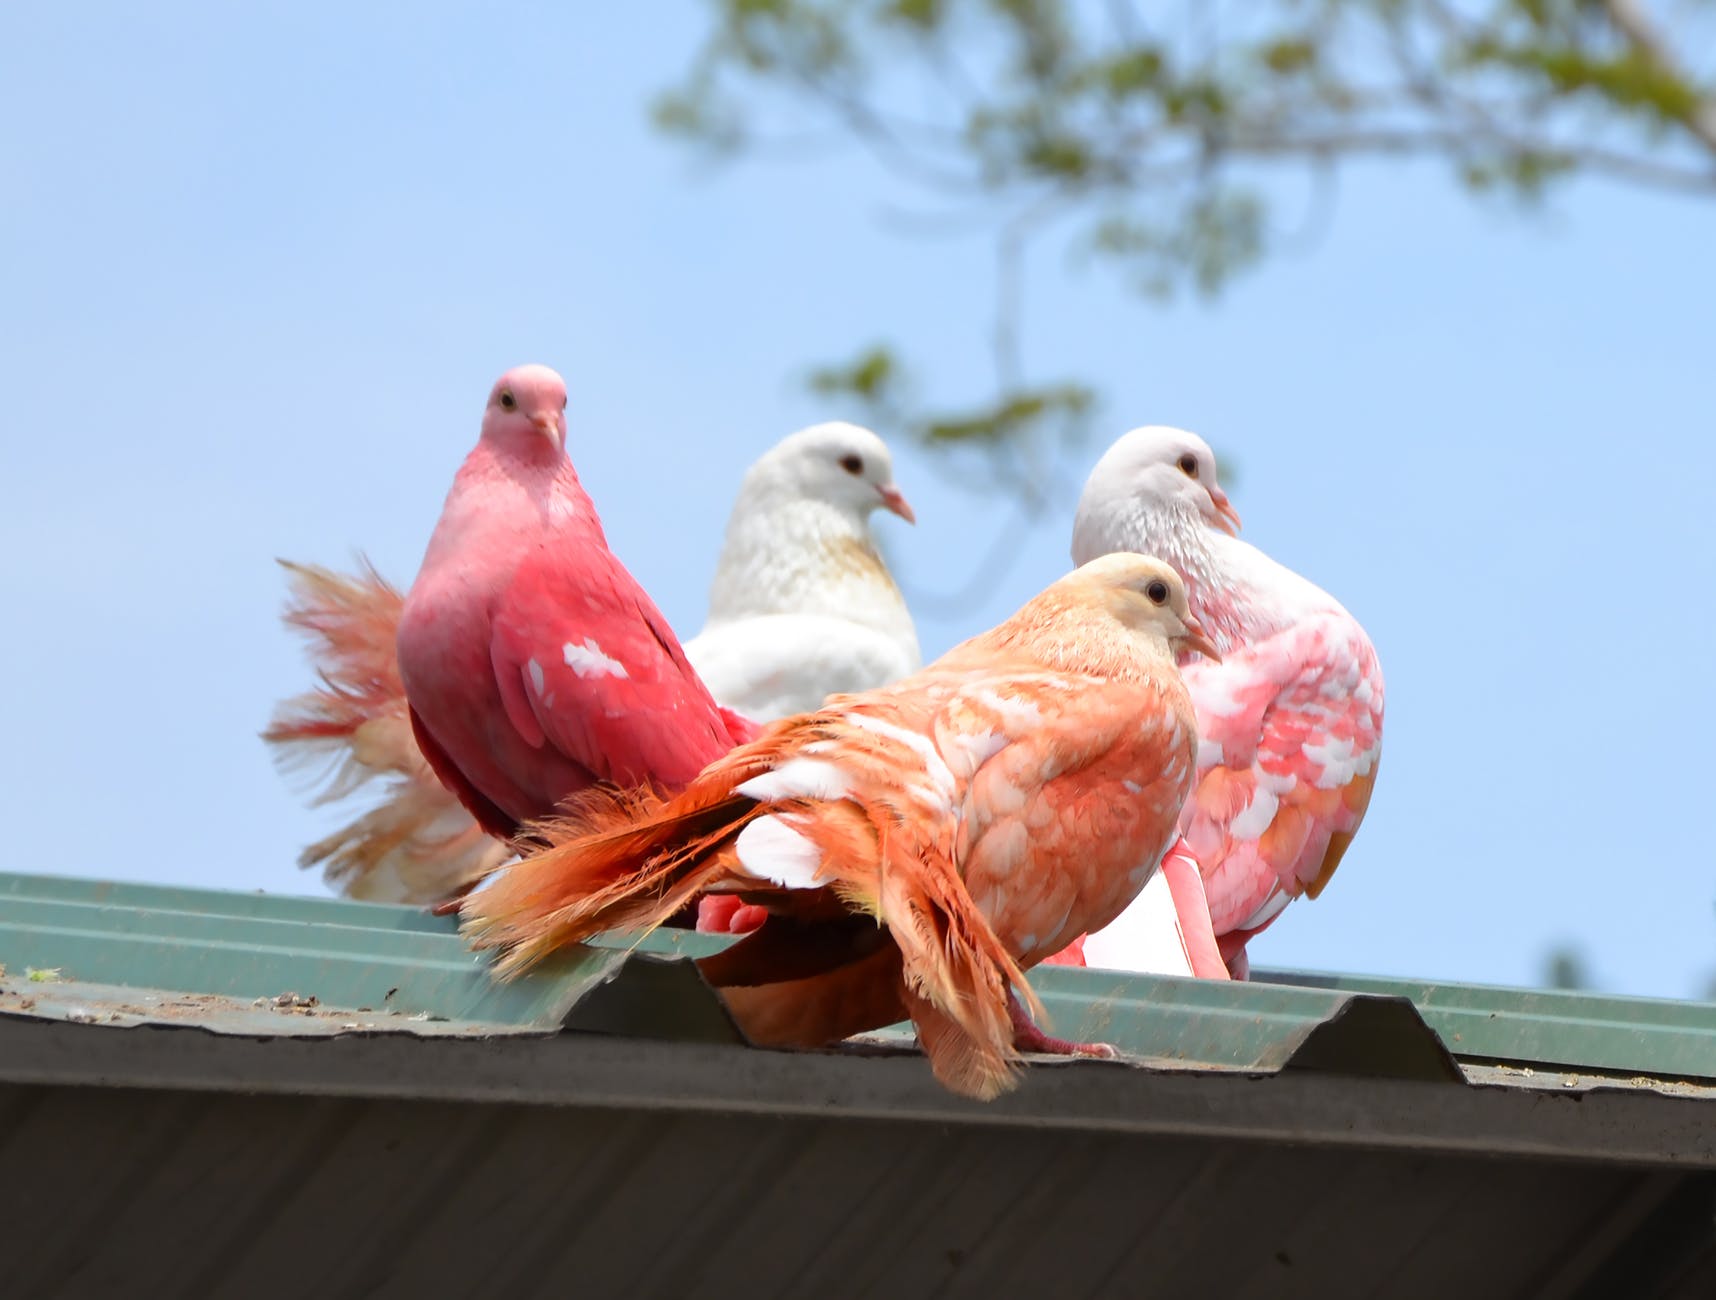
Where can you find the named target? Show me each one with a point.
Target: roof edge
(1589, 1122)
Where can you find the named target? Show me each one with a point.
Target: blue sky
(262, 265)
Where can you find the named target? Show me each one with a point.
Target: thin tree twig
(1631, 20)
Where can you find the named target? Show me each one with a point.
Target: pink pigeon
(802, 607)
(1289, 722)
(534, 665)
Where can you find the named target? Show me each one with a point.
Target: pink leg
(1192, 910)
(1238, 962)
(1028, 1038)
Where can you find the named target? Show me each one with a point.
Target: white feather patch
(970, 752)
(1017, 713)
(535, 670)
(1337, 762)
(589, 660)
(1267, 910)
(798, 778)
(941, 778)
(771, 850)
(1217, 697)
(1251, 823)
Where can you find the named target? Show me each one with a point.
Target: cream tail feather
(416, 844)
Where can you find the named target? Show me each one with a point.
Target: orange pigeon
(918, 847)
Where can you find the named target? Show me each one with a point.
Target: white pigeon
(802, 606)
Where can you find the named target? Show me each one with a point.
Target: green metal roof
(236, 1094)
(389, 965)
(1548, 1027)
(381, 967)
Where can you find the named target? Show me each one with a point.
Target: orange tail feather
(615, 861)
(954, 972)
(957, 974)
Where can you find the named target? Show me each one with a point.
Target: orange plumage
(916, 847)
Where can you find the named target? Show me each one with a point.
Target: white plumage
(802, 606)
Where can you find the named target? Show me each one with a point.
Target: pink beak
(895, 500)
(1197, 639)
(1229, 517)
(548, 424)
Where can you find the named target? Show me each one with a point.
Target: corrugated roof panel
(1549, 1027)
(362, 961)
(347, 955)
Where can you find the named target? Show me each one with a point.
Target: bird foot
(1027, 1037)
(728, 914)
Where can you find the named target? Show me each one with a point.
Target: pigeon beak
(895, 500)
(548, 425)
(1197, 639)
(1227, 518)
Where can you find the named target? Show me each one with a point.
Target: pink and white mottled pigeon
(1290, 720)
(533, 663)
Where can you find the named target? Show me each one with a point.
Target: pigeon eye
(508, 401)
(852, 464)
(1158, 592)
(1189, 464)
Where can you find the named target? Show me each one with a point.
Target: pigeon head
(1159, 466)
(1144, 594)
(842, 464)
(527, 412)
